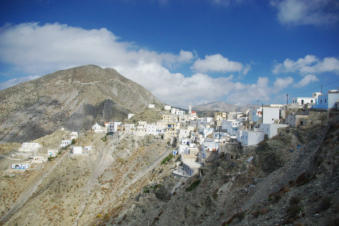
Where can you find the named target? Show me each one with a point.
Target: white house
(21, 166)
(151, 106)
(98, 128)
(248, 138)
(65, 143)
(327, 101)
(30, 147)
(174, 111)
(167, 107)
(271, 130)
(271, 115)
(231, 126)
(77, 150)
(304, 100)
(74, 135)
(130, 115)
(52, 152)
(116, 126)
(109, 126)
(190, 167)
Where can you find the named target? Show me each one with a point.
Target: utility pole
(287, 99)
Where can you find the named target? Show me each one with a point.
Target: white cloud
(282, 83)
(217, 63)
(15, 81)
(302, 12)
(306, 80)
(39, 49)
(308, 64)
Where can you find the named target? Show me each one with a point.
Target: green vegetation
(51, 158)
(104, 139)
(151, 188)
(193, 185)
(167, 159)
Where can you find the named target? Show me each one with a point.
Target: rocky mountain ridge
(74, 98)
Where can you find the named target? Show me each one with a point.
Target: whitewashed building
(20, 166)
(151, 106)
(231, 126)
(74, 135)
(248, 137)
(98, 128)
(167, 107)
(52, 153)
(304, 100)
(65, 143)
(271, 115)
(109, 127)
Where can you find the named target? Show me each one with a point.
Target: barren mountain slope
(292, 180)
(72, 98)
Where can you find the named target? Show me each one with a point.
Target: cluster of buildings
(32, 153)
(195, 138)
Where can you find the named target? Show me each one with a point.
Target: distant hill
(219, 106)
(74, 98)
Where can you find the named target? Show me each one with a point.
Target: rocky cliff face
(73, 98)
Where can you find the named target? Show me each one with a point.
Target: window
(325, 100)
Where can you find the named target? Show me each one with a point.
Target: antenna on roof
(321, 88)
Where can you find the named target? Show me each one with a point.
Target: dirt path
(24, 197)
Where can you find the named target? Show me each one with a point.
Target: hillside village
(190, 139)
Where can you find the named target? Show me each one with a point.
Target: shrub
(167, 159)
(104, 139)
(193, 185)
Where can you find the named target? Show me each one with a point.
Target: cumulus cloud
(282, 83)
(217, 63)
(302, 12)
(32, 48)
(308, 64)
(306, 80)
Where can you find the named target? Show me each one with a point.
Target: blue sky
(184, 52)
